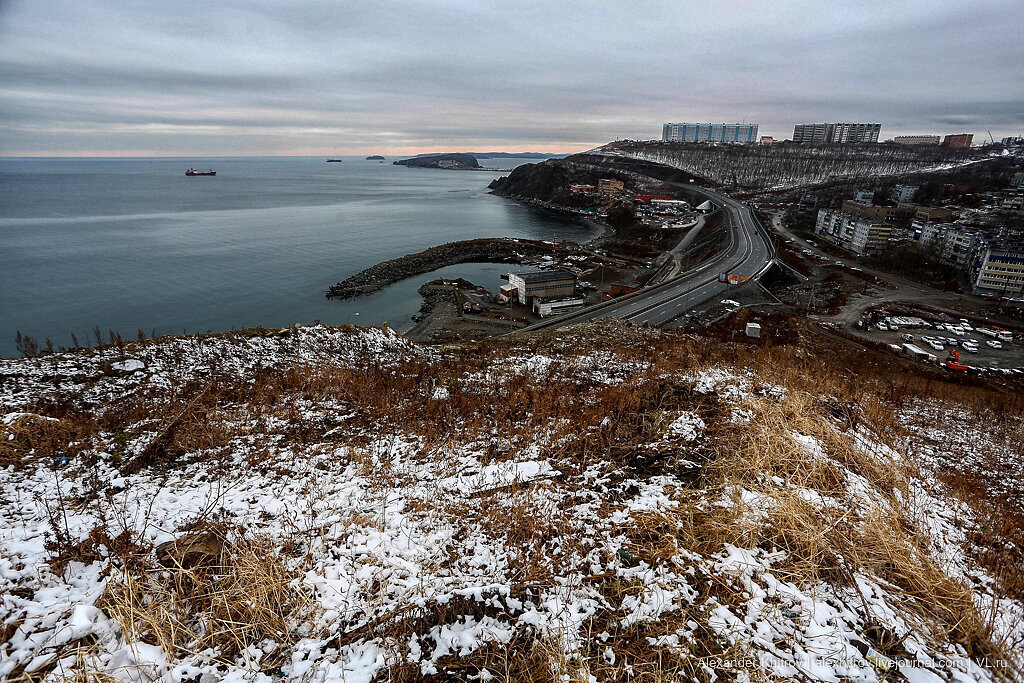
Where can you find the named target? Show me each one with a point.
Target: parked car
(994, 344)
(907, 337)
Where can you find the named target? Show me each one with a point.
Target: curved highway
(749, 253)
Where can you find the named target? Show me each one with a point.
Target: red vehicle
(953, 362)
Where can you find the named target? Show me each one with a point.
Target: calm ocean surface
(130, 244)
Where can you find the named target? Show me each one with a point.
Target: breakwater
(495, 250)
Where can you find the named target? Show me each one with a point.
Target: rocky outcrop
(541, 181)
(383, 274)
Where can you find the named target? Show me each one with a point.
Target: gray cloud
(263, 77)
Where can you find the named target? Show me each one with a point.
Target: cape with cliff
(781, 169)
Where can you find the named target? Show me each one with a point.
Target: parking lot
(938, 338)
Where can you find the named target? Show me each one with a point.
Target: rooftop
(535, 276)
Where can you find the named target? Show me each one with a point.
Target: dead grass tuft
(32, 438)
(245, 596)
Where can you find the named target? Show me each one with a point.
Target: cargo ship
(193, 171)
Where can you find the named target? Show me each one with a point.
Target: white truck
(915, 351)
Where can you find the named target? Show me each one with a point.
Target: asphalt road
(748, 254)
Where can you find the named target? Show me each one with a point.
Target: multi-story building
(916, 139)
(850, 231)
(1013, 201)
(540, 284)
(948, 243)
(899, 215)
(904, 193)
(823, 133)
(864, 196)
(864, 228)
(961, 141)
(610, 186)
(807, 202)
(931, 213)
(767, 139)
(709, 132)
(994, 263)
(999, 268)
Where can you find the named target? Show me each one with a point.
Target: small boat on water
(334, 161)
(193, 171)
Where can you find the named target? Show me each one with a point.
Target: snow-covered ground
(606, 529)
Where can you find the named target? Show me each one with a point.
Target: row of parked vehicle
(940, 343)
(959, 331)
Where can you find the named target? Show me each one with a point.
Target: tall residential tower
(822, 133)
(709, 132)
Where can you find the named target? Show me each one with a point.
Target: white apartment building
(1000, 269)
(856, 233)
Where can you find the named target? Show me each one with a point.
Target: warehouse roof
(536, 276)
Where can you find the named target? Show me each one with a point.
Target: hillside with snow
(602, 503)
(785, 165)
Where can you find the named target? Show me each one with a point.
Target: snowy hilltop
(786, 165)
(601, 503)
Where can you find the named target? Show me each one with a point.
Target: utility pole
(810, 299)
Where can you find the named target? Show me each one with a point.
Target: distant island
(375, 157)
(460, 162)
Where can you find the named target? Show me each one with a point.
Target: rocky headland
(446, 161)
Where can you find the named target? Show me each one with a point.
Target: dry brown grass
(247, 594)
(881, 539)
(240, 598)
(32, 438)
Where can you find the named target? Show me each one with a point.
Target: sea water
(134, 244)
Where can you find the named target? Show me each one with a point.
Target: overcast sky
(254, 77)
